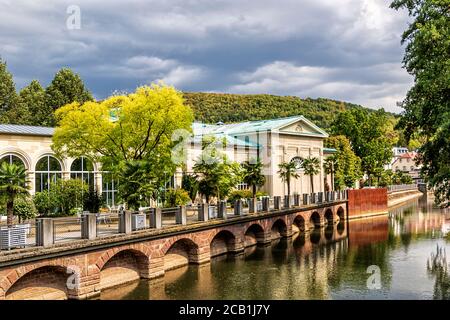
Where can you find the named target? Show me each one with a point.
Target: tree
(130, 135)
(329, 166)
(287, 171)
(67, 195)
(190, 184)
(13, 184)
(217, 178)
(33, 99)
(311, 167)
(216, 175)
(10, 109)
(427, 104)
(253, 175)
(347, 168)
(369, 135)
(92, 200)
(66, 87)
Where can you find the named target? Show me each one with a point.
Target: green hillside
(215, 107)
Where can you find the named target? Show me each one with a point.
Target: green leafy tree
(311, 167)
(253, 175)
(66, 87)
(130, 135)
(369, 135)
(33, 99)
(427, 103)
(288, 171)
(216, 175)
(217, 178)
(137, 183)
(11, 111)
(347, 168)
(13, 184)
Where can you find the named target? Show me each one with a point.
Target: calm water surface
(409, 247)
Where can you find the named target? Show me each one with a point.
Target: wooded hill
(216, 107)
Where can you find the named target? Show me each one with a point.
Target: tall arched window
(82, 168)
(11, 158)
(48, 170)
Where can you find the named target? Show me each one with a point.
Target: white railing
(402, 187)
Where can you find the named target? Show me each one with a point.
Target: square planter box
(138, 221)
(13, 237)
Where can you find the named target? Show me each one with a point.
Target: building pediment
(303, 127)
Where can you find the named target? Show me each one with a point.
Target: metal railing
(402, 187)
(107, 224)
(66, 229)
(48, 231)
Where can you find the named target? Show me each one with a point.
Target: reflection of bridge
(81, 269)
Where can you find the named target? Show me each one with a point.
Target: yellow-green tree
(133, 128)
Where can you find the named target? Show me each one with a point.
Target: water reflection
(326, 263)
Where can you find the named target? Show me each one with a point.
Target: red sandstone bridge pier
(82, 268)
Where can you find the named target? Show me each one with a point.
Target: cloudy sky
(341, 49)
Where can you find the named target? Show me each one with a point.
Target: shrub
(176, 197)
(239, 194)
(43, 204)
(62, 199)
(24, 208)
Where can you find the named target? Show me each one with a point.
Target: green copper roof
(233, 132)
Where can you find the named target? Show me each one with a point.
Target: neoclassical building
(272, 141)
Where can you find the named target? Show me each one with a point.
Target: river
(400, 256)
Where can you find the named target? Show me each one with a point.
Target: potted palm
(13, 184)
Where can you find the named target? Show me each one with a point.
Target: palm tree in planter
(253, 175)
(287, 171)
(13, 184)
(311, 167)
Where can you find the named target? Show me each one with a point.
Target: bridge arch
(180, 253)
(123, 266)
(223, 242)
(47, 282)
(253, 234)
(315, 219)
(329, 216)
(341, 213)
(279, 229)
(299, 224)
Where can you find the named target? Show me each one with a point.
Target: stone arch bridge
(81, 270)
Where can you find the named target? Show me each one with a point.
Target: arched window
(82, 168)
(298, 162)
(48, 170)
(11, 158)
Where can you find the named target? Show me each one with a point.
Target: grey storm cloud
(347, 49)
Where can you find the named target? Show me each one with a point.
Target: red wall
(362, 202)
